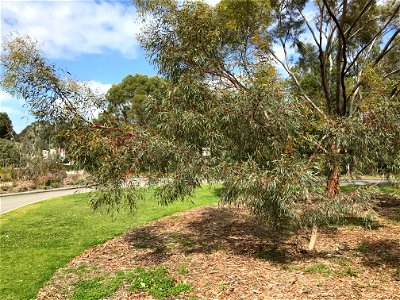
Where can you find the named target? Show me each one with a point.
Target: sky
(95, 40)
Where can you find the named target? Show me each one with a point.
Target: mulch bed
(227, 254)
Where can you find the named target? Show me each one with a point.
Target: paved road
(11, 202)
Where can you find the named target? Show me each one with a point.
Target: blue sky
(95, 40)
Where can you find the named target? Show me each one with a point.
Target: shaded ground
(226, 254)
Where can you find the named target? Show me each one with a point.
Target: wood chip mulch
(227, 254)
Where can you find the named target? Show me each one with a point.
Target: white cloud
(99, 87)
(212, 2)
(70, 28)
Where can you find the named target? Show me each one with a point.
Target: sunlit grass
(38, 239)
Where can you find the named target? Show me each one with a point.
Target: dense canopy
(272, 140)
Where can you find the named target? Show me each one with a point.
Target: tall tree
(127, 100)
(6, 127)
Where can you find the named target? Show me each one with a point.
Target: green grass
(380, 189)
(156, 282)
(319, 268)
(38, 239)
(96, 288)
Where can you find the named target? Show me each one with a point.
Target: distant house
(59, 152)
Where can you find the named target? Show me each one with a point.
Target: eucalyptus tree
(270, 140)
(283, 138)
(126, 100)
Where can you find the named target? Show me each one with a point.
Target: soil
(227, 254)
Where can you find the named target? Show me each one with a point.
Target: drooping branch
(293, 76)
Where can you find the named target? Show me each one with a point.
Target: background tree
(10, 153)
(6, 127)
(126, 100)
(38, 136)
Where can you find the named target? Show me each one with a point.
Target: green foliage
(6, 127)
(6, 174)
(156, 282)
(10, 153)
(350, 272)
(182, 269)
(396, 274)
(127, 100)
(362, 247)
(38, 239)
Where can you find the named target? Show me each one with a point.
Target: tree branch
(291, 74)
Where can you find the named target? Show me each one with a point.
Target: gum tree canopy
(272, 140)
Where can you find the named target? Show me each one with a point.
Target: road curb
(65, 188)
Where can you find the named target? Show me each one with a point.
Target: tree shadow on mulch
(388, 207)
(384, 252)
(230, 230)
(236, 232)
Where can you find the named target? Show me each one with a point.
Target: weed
(158, 250)
(182, 269)
(217, 247)
(175, 217)
(350, 272)
(192, 298)
(187, 243)
(319, 268)
(222, 287)
(156, 282)
(396, 274)
(362, 247)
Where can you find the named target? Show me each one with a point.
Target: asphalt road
(11, 202)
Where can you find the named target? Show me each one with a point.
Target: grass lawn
(38, 239)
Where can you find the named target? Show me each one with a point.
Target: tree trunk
(313, 238)
(332, 185)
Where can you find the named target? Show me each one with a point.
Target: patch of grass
(182, 269)
(187, 243)
(156, 282)
(82, 269)
(350, 272)
(396, 274)
(379, 189)
(37, 239)
(96, 288)
(175, 217)
(362, 247)
(319, 268)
